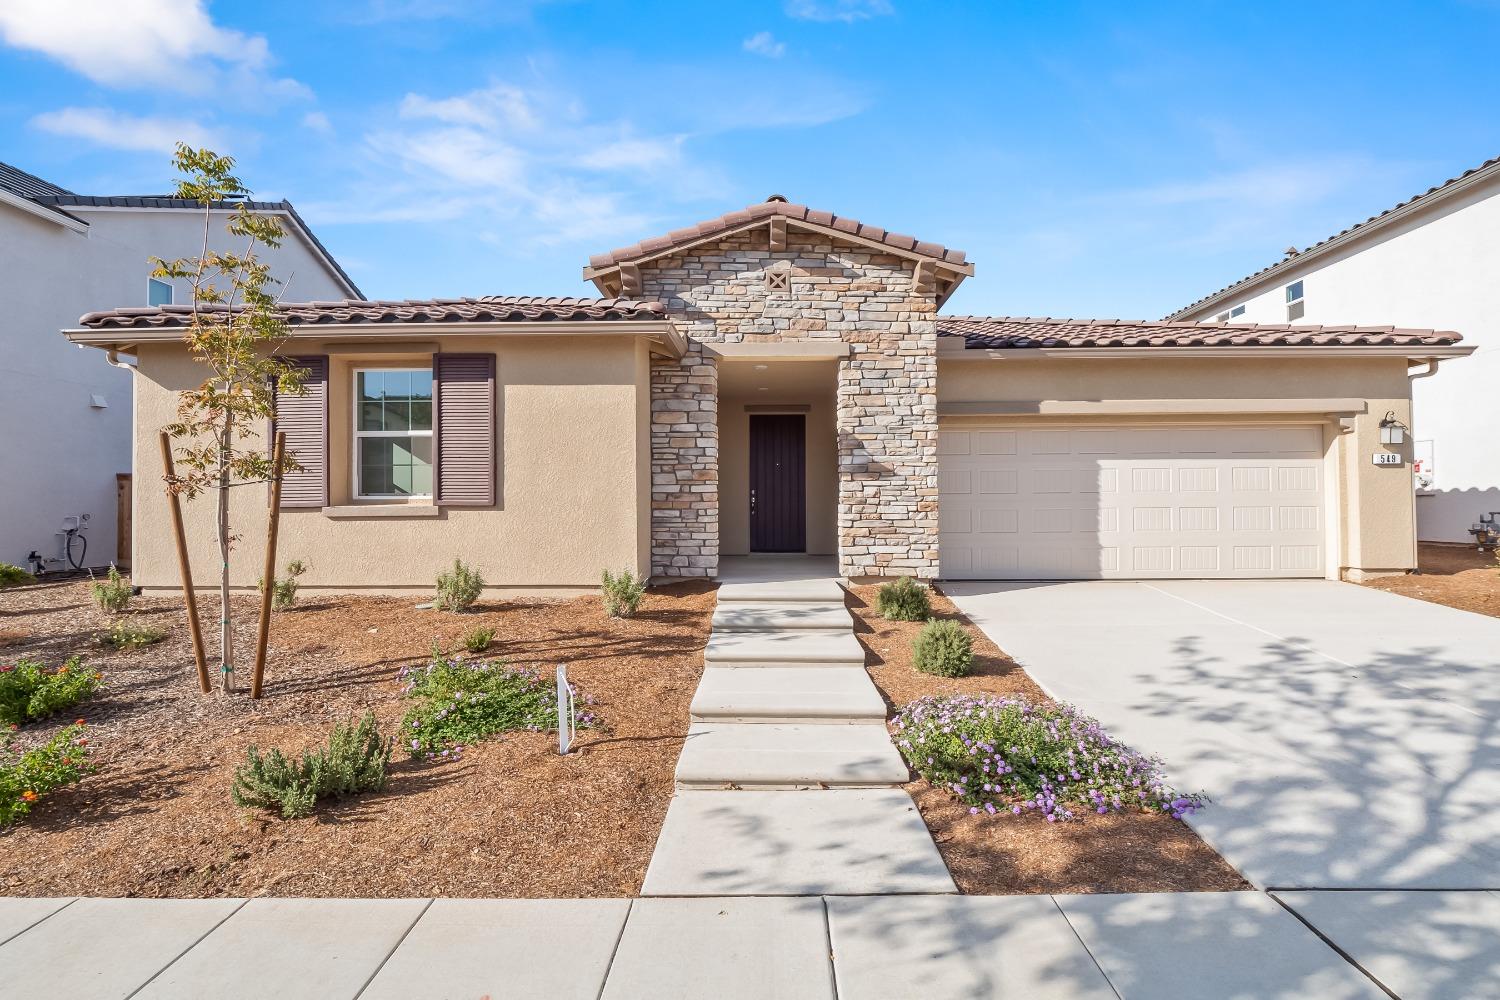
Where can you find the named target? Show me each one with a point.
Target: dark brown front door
(778, 483)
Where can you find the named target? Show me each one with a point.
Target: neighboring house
(62, 254)
(780, 380)
(1428, 262)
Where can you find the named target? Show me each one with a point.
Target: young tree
(233, 331)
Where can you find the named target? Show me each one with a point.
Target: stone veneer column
(685, 466)
(887, 425)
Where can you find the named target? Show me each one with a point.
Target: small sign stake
(565, 712)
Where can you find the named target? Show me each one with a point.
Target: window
(392, 433)
(1236, 312)
(1296, 305)
(1221, 318)
(158, 292)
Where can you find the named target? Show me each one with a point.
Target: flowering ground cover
(509, 817)
(1121, 850)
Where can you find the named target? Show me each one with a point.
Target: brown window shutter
(305, 420)
(464, 385)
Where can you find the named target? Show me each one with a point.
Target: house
(1429, 261)
(63, 254)
(781, 380)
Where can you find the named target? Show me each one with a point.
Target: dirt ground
(511, 818)
(1456, 575)
(993, 855)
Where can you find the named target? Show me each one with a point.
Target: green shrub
(114, 594)
(30, 691)
(943, 647)
(1009, 755)
(26, 777)
(284, 589)
(903, 600)
(458, 703)
(477, 640)
(622, 594)
(458, 590)
(124, 633)
(354, 760)
(13, 576)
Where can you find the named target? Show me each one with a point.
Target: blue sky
(1109, 160)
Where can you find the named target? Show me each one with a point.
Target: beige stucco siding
(573, 478)
(1374, 505)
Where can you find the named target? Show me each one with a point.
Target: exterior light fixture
(1392, 431)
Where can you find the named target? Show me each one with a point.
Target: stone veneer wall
(886, 401)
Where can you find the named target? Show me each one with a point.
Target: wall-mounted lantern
(1392, 431)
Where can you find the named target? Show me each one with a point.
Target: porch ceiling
(783, 381)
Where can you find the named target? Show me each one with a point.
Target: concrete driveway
(1349, 738)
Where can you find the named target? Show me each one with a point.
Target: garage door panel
(1133, 502)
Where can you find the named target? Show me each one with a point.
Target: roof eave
(664, 338)
(54, 215)
(1417, 352)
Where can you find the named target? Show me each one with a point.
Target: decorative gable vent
(778, 281)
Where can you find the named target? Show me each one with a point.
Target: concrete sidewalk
(1168, 946)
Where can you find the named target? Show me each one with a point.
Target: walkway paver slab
(20, 912)
(1419, 945)
(810, 591)
(788, 694)
(302, 949)
(958, 948)
(785, 649)
(106, 949)
(783, 756)
(1225, 945)
(462, 949)
(779, 616)
(838, 841)
(727, 949)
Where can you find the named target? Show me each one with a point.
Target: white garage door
(1122, 502)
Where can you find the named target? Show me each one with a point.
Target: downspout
(1412, 376)
(113, 357)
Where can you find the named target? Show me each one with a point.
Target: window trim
(151, 280)
(355, 434)
(1301, 291)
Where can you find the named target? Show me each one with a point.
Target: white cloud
(847, 11)
(115, 130)
(146, 44)
(317, 121)
(763, 43)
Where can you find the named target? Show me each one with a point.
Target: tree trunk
(226, 632)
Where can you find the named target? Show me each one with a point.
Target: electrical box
(1388, 458)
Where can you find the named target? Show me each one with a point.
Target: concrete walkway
(1182, 946)
(788, 783)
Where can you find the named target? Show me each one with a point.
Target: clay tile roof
(485, 309)
(1012, 333)
(1491, 165)
(764, 210)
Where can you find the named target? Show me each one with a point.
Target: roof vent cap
(1291, 252)
(777, 197)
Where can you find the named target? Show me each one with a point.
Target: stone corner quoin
(886, 401)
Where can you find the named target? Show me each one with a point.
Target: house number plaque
(1388, 458)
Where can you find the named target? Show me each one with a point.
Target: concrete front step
(780, 616)
(843, 841)
(718, 755)
(816, 590)
(809, 648)
(804, 695)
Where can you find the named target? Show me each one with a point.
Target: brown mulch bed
(511, 818)
(1456, 575)
(1120, 852)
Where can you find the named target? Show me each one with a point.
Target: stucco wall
(1377, 527)
(572, 479)
(885, 404)
(66, 461)
(1435, 269)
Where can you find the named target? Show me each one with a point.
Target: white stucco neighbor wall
(1436, 269)
(61, 452)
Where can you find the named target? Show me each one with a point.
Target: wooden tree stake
(183, 566)
(268, 587)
